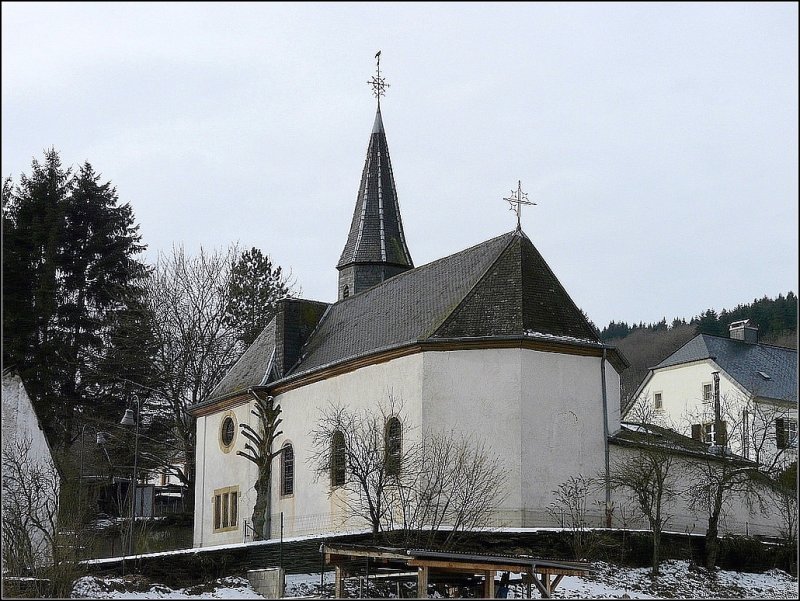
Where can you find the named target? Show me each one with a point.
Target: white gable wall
(681, 388)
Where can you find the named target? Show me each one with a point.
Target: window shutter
(697, 432)
(780, 433)
(722, 435)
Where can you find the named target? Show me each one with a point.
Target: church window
(337, 459)
(227, 433)
(394, 446)
(226, 508)
(287, 470)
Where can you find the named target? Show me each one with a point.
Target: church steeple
(376, 246)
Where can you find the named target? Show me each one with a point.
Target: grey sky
(660, 141)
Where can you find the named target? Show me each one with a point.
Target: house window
(658, 402)
(706, 432)
(287, 470)
(786, 433)
(708, 393)
(394, 446)
(337, 459)
(226, 508)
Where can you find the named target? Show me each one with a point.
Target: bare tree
(453, 485)
(196, 344)
(648, 473)
(569, 507)
(747, 426)
(262, 455)
(350, 447)
(785, 493)
(446, 485)
(40, 522)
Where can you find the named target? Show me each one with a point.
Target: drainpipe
(605, 438)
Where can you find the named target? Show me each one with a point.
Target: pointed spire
(376, 243)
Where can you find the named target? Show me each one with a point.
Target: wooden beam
(555, 582)
(542, 590)
(459, 566)
(339, 587)
(488, 585)
(422, 582)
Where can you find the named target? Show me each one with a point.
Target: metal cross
(518, 198)
(377, 82)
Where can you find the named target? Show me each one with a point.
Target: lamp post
(128, 420)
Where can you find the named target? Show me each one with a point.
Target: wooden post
(488, 585)
(339, 587)
(422, 582)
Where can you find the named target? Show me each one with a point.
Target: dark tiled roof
(499, 288)
(405, 308)
(251, 368)
(744, 362)
(656, 437)
(376, 232)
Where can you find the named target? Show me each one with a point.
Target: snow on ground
(137, 587)
(678, 580)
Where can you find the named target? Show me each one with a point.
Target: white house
(757, 388)
(31, 481)
(484, 341)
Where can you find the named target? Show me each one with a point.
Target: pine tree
(256, 286)
(69, 272)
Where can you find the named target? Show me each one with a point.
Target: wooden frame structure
(545, 574)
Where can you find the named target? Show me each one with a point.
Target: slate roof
(743, 362)
(251, 368)
(499, 288)
(653, 436)
(376, 231)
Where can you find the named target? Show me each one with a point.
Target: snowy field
(677, 581)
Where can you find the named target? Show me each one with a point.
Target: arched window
(337, 459)
(287, 470)
(394, 446)
(346, 292)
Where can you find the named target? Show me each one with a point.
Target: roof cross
(377, 82)
(518, 198)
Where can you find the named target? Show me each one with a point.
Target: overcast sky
(660, 141)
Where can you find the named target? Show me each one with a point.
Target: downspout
(605, 438)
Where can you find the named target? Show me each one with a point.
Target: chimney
(742, 330)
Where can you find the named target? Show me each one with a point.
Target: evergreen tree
(256, 286)
(69, 271)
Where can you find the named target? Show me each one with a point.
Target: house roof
(746, 363)
(252, 367)
(657, 437)
(376, 231)
(499, 288)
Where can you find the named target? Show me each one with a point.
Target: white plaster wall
(541, 411)
(218, 469)
(682, 396)
(736, 518)
(310, 507)
(21, 425)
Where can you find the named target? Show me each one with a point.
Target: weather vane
(377, 82)
(516, 200)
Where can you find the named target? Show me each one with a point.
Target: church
(485, 342)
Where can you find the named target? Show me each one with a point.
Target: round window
(228, 431)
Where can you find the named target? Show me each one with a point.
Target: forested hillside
(645, 345)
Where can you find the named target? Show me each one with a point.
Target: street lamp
(128, 420)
